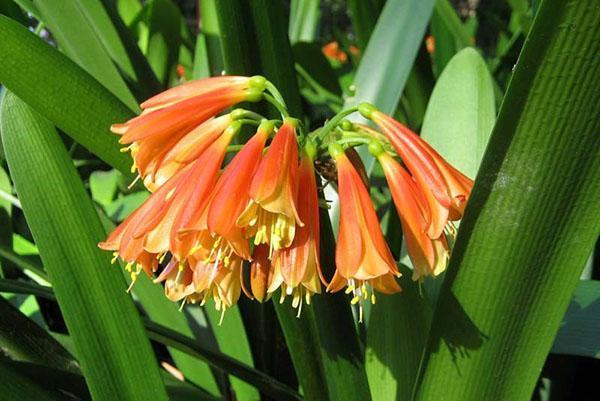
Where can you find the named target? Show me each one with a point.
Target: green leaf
(364, 15)
(449, 33)
(381, 74)
(461, 112)
(162, 37)
(23, 340)
(124, 205)
(16, 386)
(74, 384)
(343, 357)
(304, 20)
(316, 68)
(261, 381)
(236, 346)
(74, 31)
(104, 186)
(579, 332)
(128, 10)
(21, 262)
(166, 336)
(166, 313)
(101, 318)
(532, 220)
(395, 341)
(5, 223)
(208, 59)
(72, 99)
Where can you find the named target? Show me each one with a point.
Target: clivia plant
(299, 200)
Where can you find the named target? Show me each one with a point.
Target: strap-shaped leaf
(531, 221)
(23, 340)
(61, 91)
(579, 332)
(113, 350)
(165, 335)
(464, 92)
(382, 73)
(16, 386)
(304, 20)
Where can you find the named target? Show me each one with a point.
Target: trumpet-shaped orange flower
(177, 113)
(270, 215)
(362, 256)
(261, 273)
(216, 281)
(177, 277)
(428, 256)
(446, 190)
(230, 197)
(297, 269)
(158, 160)
(153, 228)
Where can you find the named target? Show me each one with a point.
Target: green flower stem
(275, 93)
(331, 124)
(278, 105)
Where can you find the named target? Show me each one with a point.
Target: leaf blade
(508, 252)
(101, 317)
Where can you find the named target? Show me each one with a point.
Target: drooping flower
(446, 190)
(177, 277)
(296, 269)
(428, 256)
(261, 273)
(230, 197)
(178, 114)
(271, 216)
(213, 280)
(158, 161)
(362, 256)
(152, 230)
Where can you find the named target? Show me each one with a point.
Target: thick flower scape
(213, 231)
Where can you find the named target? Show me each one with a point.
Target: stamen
(222, 316)
(136, 179)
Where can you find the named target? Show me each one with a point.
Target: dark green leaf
(17, 386)
(304, 20)
(531, 222)
(102, 319)
(71, 98)
(579, 333)
(23, 340)
(450, 36)
(79, 27)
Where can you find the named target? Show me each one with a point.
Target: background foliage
(507, 91)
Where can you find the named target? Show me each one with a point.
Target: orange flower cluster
(211, 228)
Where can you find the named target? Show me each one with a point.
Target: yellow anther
(355, 300)
(349, 289)
(115, 257)
(373, 299)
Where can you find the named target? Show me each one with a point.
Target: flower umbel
(201, 224)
